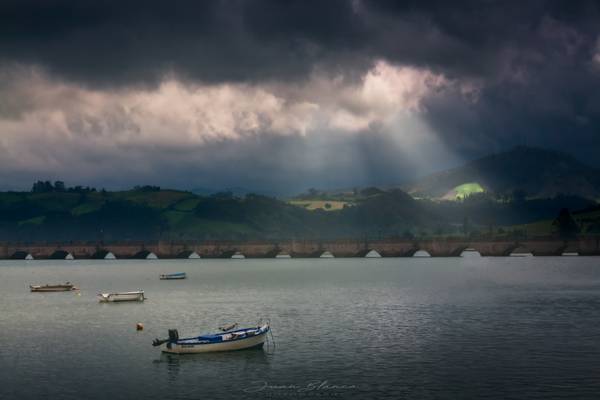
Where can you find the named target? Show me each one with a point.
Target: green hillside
(536, 173)
(49, 214)
(588, 221)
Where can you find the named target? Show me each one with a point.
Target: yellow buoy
(139, 326)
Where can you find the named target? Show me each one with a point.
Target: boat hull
(120, 297)
(253, 342)
(169, 277)
(50, 288)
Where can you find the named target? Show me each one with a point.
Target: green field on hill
(464, 190)
(327, 205)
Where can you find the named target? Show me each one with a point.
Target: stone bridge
(299, 248)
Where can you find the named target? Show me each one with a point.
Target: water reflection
(486, 327)
(244, 360)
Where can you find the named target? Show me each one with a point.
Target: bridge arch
(145, 255)
(469, 252)
(226, 253)
(569, 250)
(142, 254)
(396, 253)
(271, 253)
(103, 254)
(61, 255)
(520, 251)
(238, 255)
(21, 255)
(232, 254)
(372, 253)
(283, 254)
(420, 253)
(326, 254)
(368, 253)
(188, 254)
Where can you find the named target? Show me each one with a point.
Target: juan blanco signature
(312, 386)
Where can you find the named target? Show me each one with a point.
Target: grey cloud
(269, 163)
(532, 64)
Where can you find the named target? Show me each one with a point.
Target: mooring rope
(271, 346)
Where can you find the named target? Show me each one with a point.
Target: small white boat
(121, 296)
(175, 275)
(239, 339)
(63, 287)
(238, 256)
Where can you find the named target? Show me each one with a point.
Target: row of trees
(59, 187)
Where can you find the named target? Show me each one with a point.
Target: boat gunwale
(214, 336)
(119, 293)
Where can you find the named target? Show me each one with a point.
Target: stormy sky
(279, 96)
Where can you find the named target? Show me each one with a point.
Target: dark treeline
(59, 187)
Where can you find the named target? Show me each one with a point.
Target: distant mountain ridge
(537, 172)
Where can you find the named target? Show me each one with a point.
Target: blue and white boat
(175, 275)
(239, 339)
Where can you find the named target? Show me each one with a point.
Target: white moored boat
(122, 296)
(63, 287)
(239, 339)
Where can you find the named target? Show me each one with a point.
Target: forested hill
(52, 212)
(532, 171)
(148, 212)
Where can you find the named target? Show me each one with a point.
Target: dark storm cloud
(128, 41)
(522, 73)
(138, 42)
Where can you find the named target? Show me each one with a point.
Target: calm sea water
(497, 328)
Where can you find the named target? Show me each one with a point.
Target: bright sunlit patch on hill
(464, 190)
